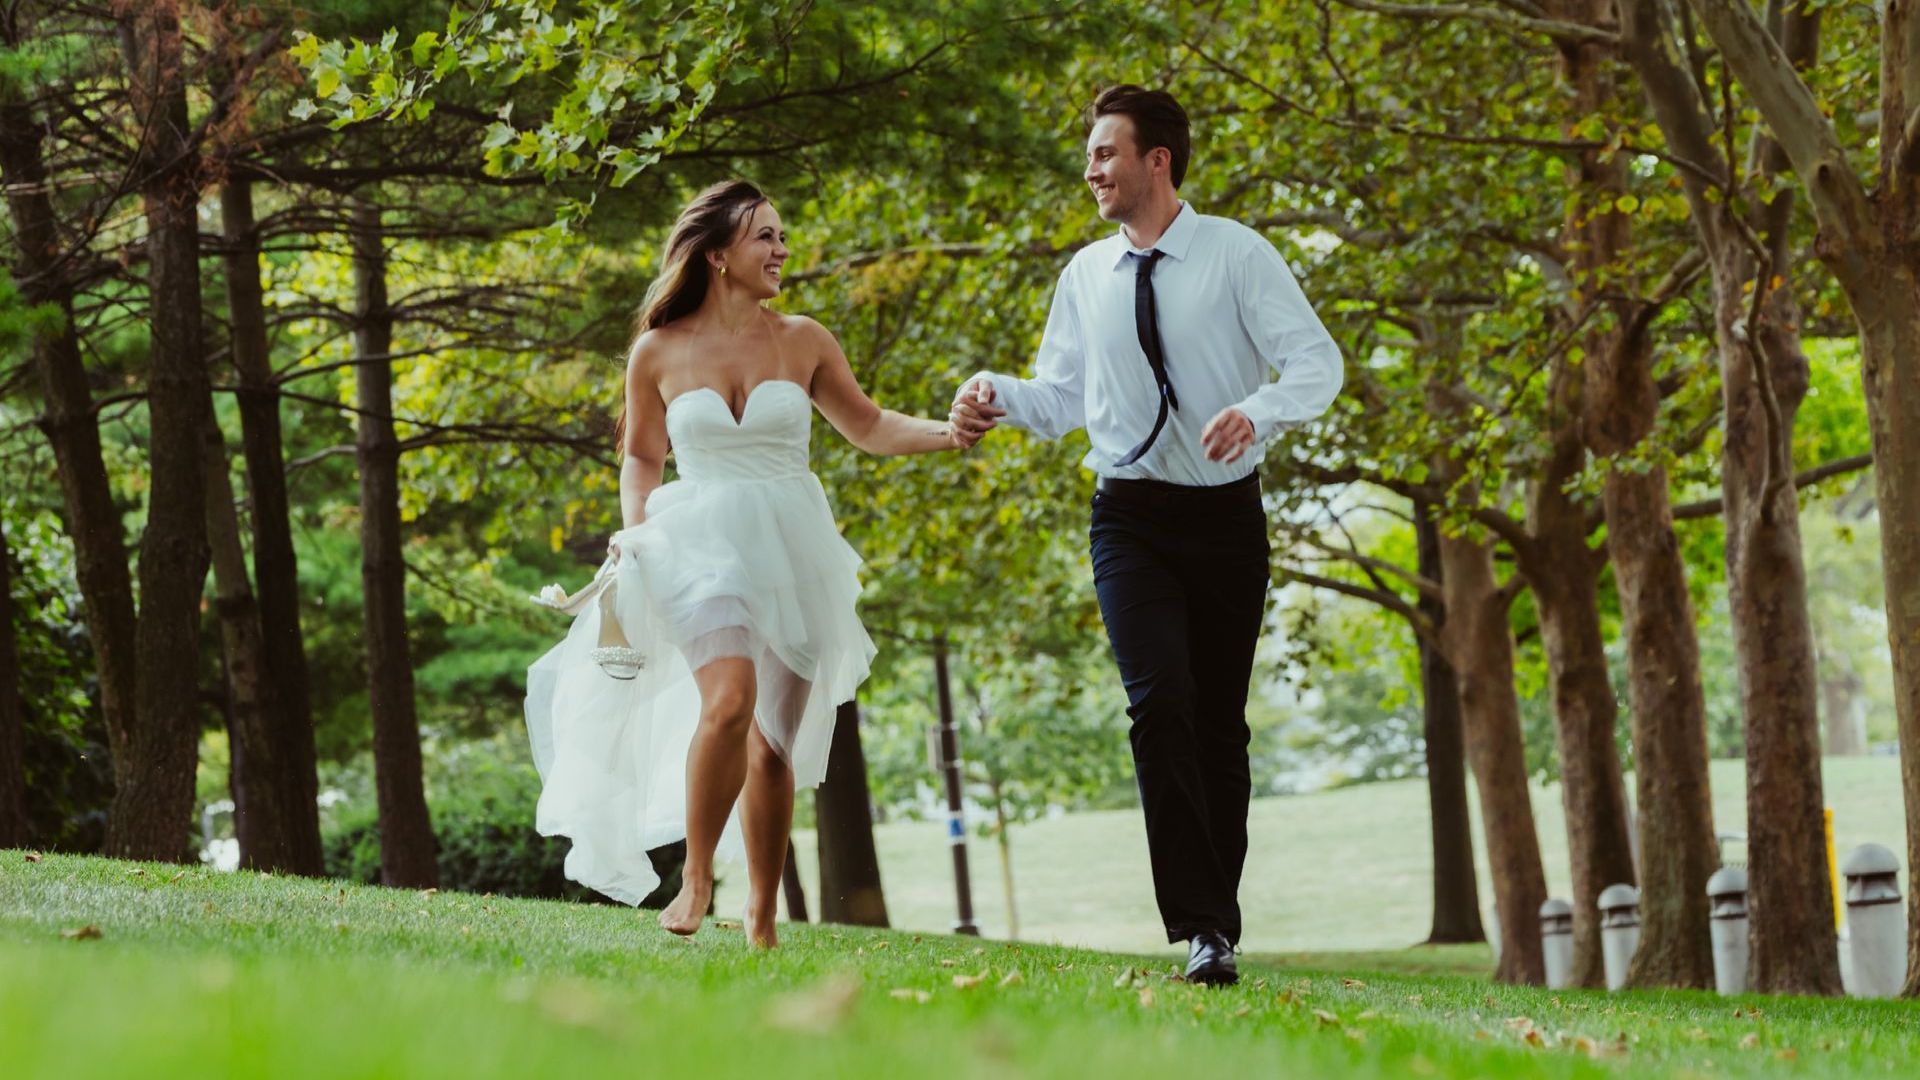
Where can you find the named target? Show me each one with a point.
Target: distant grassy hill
(1345, 869)
(115, 969)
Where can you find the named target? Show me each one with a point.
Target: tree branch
(1506, 20)
(1840, 467)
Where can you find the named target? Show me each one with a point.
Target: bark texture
(1763, 377)
(1479, 644)
(1564, 575)
(1456, 889)
(1678, 851)
(288, 772)
(850, 889)
(153, 803)
(407, 848)
(1865, 231)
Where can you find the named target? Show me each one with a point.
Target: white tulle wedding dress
(737, 557)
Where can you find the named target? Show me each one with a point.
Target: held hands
(973, 414)
(1227, 435)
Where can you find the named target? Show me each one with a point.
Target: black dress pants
(1182, 578)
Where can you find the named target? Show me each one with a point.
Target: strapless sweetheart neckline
(740, 420)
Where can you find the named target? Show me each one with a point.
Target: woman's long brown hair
(708, 223)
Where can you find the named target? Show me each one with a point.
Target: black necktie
(1147, 323)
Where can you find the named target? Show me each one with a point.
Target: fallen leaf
(725, 924)
(1586, 1046)
(176, 877)
(1146, 997)
(138, 871)
(1353, 984)
(968, 982)
(1355, 1034)
(1011, 978)
(818, 1008)
(1787, 1053)
(946, 963)
(1533, 1038)
(34, 856)
(918, 997)
(1750, 1040)
(1325, 1017)
(88, 932)
(1243, 1012)
(1367, 1015)
(1520, 1023)
(878, 945)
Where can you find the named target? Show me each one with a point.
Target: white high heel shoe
(614, 653)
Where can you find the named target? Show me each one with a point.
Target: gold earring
(723, 271)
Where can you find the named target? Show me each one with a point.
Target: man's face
(1117, 172)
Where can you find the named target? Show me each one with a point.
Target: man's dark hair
(1158, 120)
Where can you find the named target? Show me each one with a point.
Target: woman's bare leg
(716, 767)
(766, 817)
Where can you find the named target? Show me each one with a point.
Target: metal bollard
(1556, 941)
(1619, 931)
(1727, 893)
(1876, 924)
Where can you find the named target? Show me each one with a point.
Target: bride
(707, 657)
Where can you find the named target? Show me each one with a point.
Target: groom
(1159, 343)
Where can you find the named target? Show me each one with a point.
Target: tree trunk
(1005, 844)
(1840, 707)
(796, 894)
(152, 809)
(1564, 575)
(265, 814)
(275, 570)
(1890, 346)
(406, 831)
(13, 715)
(843, 812)
(1789, 891)
(1456, 891)
(1678, 851)
(1479, 645)
(71, 427)
(1865, 238)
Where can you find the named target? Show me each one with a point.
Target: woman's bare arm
(854, 414)
(643, 445)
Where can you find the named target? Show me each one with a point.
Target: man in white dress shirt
(1160, 343)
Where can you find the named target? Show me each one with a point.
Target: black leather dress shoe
(1210, 960)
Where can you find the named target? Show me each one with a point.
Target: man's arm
(1051, 403)
(1289, 336)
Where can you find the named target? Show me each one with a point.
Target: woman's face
(752, 261)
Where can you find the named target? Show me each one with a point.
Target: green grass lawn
(146, 970)
(1345, 869)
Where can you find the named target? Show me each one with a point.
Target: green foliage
(69, 782)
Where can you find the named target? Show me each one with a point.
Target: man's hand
(974, 413)
(1227, 435)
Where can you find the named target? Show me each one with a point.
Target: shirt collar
(1174, 243)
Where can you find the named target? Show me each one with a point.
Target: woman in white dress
(725, 633)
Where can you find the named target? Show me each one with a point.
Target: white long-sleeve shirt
(1229, 311)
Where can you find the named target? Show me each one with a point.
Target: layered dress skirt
(739, 557)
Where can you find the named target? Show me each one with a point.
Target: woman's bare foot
(759, 927)
(684, 914)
